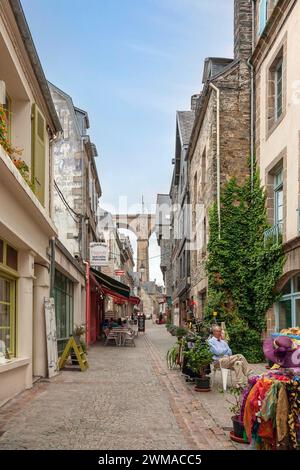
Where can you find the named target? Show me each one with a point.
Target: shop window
(285, 314)
(7, 315)
(12, 257)
(63, 297)
(1, 251)
(8, 256)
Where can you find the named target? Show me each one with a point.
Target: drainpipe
(52, 266)
(218, 157)
(87, 304)
(252, 98)
(251, 122)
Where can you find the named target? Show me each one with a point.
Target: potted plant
(238, 433)
(173, 356)
(198, 358)
(180, 332)
(172, 330)
(79, 332)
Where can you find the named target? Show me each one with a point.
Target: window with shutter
(38, 153)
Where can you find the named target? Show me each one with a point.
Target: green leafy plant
(172, 356)
(199, 357)
(79, 331)
(13, 152)
(25, 172)
(172, 330)
(242, 270)
(180, 332)
(236, 403)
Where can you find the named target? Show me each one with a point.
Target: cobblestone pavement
(127, 399)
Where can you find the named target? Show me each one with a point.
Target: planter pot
(237, 434)
(202, 384)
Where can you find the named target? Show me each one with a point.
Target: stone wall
(235, 123)
(242, 29)
(234, 88)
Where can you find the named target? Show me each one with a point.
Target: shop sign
(141, 322)
(98, 254)
(119, 272)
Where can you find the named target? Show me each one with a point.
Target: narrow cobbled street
(127, 399)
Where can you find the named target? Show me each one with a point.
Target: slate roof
(214, 66)
(185, 120)
(149, 287)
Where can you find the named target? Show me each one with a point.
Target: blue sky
(131, 64)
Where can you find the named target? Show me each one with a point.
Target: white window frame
(292, 297)
(278, 187)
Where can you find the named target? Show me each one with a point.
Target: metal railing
(274, 234)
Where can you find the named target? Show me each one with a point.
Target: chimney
(194, 102)
(242, 29)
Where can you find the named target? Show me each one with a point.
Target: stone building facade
(163, 235)
(120, 257)
(28, 251)
(220, 142)
(76, 182)
(276, 65)
(180, 216)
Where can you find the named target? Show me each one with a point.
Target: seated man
(223, 356)
(113, 323)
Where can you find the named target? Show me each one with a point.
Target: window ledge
(275, 124)
(10, 174)
(14, 364)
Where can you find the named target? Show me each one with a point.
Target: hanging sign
(119, 272)
(98, 254)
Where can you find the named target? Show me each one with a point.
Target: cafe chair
(111, 336)
(129, 338)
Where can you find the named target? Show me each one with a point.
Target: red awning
(114, 295)
(134, 300)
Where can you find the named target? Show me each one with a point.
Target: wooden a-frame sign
(74, 343)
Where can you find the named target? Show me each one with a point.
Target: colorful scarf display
(271, 410)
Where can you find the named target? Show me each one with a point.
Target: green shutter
(38, 153)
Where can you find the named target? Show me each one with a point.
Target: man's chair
(215, 367)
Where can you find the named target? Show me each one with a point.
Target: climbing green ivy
(242, 271)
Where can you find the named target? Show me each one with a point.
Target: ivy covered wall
(242, 271)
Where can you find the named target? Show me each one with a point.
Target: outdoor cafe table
(121, 334)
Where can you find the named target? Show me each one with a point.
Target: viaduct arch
(142, 225)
